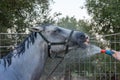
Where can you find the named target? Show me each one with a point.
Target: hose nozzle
(109, 52)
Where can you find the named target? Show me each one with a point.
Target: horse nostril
(80, 35)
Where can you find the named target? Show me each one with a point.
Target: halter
(49, 44)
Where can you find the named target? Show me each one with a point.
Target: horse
(27, 60)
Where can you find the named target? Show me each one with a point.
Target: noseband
(49, 44)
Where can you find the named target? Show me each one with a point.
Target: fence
(75, 66)
(9, 41)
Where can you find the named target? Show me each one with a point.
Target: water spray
(109, 52)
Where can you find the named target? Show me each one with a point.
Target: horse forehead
(52, 28)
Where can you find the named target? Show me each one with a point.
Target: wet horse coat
(26, 62)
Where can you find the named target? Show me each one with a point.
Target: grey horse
(26, 62)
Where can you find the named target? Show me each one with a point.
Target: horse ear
(36, 29)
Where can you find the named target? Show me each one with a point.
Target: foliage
(20, 14)
(105, 14)
(73, 23)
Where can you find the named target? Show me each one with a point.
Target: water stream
(92, 50)
(75, 56)
(82, 54)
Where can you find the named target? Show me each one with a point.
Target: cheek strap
(49, 44)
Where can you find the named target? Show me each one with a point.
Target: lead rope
(55, 68)
(62, 58)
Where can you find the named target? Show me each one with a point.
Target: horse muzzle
(82, 39)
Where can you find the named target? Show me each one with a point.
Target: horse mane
(20, 49)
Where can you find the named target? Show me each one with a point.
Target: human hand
(116, 55)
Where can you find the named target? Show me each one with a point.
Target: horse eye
(82, 36)
(57, 30)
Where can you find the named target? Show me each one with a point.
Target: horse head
(44, 41)
(59, 39)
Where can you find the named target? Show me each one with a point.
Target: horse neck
(30, 64)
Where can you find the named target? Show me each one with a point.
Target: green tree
(20, 14)
(105, 17)
(73, 23)
(105, 20)
(105, 14)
